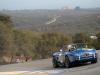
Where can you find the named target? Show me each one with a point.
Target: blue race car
(74, 53)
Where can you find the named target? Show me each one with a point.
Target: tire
(94, 61)
(54, 62)
(67, 62)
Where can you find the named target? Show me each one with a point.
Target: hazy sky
(46, 4)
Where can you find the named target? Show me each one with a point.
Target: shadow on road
(76, 65)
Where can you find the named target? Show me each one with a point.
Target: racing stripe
(41, 72)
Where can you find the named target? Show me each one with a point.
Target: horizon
(46, 4)
(43, 9)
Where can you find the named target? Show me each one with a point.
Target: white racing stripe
(36, 71)
(46, 71)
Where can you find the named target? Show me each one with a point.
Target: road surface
(53, 20)
(45, 66)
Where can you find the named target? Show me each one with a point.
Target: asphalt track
(44, 67)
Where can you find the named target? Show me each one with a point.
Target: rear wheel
(94, 61)
(55, 65)
(67, 62)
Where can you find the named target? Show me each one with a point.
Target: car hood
(83, 50)
(57, 53)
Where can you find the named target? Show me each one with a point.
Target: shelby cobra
(74, 53)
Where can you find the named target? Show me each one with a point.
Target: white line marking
(37, 71)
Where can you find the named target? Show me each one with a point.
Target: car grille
(82, 57)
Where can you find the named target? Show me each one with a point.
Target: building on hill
(65, 8)
(93, 37)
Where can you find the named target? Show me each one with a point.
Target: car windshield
(69, 47)
(81, 45)
(72, 47)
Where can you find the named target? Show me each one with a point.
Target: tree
(24, 44)
(98, 36)
(77, 8)
(97, 41)
(6, 41)
(81, 38)
(50, 43)
(6, 20)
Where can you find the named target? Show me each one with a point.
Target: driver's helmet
(69, 47)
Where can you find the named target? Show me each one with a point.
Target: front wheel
(55, 65)
(94, 61)
(67, 62)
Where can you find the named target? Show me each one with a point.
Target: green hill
(87, 25)
(15, 43)
(64, 21)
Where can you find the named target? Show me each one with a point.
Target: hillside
(87, 25)
(26, 19)
(28, 45)
(64, 21)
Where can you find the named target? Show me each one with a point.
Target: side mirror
(60, 50)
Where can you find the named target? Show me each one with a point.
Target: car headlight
(95, 55)
(77, 57)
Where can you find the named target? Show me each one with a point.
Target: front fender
(71, 56)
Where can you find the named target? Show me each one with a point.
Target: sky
(46, 4)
